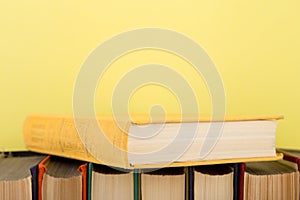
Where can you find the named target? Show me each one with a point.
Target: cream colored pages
(15, 177)
(166, 143)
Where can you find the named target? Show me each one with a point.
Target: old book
(62, 178)
(165, 183)
(142, 142)
(18, 177)
(292, 155)
(110, 183)
(270, 180)
(212, 182)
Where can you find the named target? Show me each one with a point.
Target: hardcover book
(291, 155)
(105, 180)
(62, 178)
(18, 177)
(165, 183)
(269, 180)
(213, 182)
(142, 142)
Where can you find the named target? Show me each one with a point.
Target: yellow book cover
(147, 142)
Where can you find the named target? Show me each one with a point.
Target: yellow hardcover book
(145, 142)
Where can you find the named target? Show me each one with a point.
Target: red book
(291, 155)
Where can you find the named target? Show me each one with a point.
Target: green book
(137, 184)
(89, 181)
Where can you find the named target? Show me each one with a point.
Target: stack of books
(85, 158)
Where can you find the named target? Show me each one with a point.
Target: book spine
(236, 176)
(137, 184)
(190, 183)
(41, 170)
(76, 138)
(89, 181)
(83, 170)
(242, 168)
(34, 174)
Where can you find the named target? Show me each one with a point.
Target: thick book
(110, 183)
(62, 178)
(212, 182)
(144, 142)
(269, 180)
(165, 183)
(18, 177)
(291, 155)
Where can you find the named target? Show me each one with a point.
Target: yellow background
(255, 46)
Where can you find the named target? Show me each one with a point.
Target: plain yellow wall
(255, 46)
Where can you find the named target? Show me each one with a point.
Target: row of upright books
(143, 158)
(41, 177)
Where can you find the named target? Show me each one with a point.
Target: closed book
(18, 177)
(269, 180)
(144, 142)
(291, 155)
(212, 182)
(62, 178)
(111, 183)
(165, 183)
